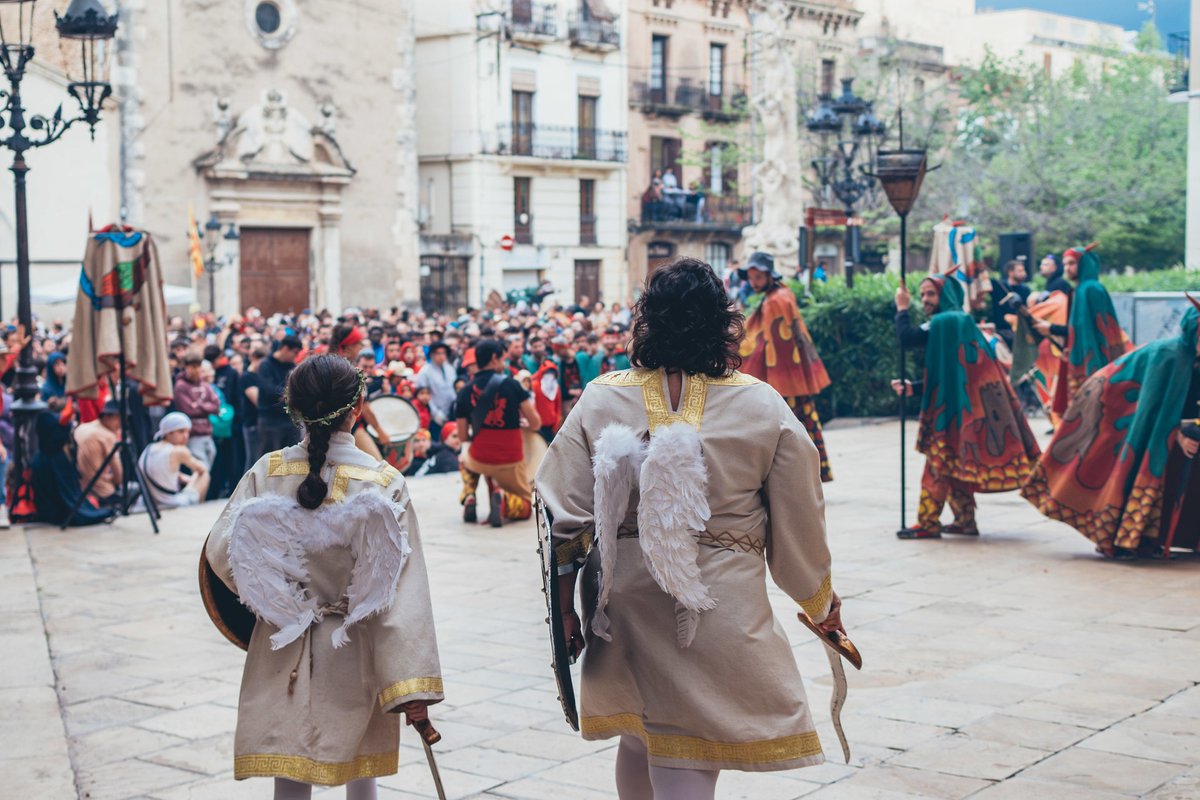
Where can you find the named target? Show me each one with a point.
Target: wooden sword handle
(428, 732)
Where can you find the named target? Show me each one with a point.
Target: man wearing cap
(163, 460)
(196, 398)
(779, 350)
(93, 441)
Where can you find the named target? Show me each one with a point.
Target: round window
(267, 17)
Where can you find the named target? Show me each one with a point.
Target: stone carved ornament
(778, 191)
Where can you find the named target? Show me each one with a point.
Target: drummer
(347, 341)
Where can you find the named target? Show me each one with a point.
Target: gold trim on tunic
(342, 474)
(570, 550)
(306, 770)
(691, 748)
(817, 605)
(410, 686)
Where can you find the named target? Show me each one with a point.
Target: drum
(535, 451)
(398, 418)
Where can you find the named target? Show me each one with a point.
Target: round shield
(233, 620)
(397, 416)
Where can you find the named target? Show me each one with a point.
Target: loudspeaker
(1019, 247)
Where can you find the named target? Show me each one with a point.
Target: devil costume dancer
(972, 431)
(1116, 469)
(1094, 337)
(675, 491)
(779, 350)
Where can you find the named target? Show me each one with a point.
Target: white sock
(361, 789)
(683, 784)
(292, 790)
(633, 771)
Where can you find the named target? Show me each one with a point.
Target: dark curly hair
(684, 321)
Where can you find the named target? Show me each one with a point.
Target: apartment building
(522, 150)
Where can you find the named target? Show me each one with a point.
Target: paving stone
(1036, 734)
(1158, 737)
(193, 722)
(1022, 788)
(970, 758)
(125, 779)
(918, 782)
(1105, 772)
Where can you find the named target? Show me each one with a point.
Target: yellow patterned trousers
(936, 490)
(806, 411)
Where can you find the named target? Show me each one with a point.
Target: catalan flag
(195, 251)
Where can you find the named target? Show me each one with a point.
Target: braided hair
(321, 392)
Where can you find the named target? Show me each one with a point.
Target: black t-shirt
(249, 410)
(499, 441)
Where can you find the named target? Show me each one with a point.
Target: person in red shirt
(491, 409)
(547, 399)
(420, 402)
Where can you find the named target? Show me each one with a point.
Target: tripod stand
(124, 450)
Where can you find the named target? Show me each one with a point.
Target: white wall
(65, 180)
(464, 97)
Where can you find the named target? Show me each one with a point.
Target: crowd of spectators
(229, 378)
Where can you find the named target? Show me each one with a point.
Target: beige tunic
(340, 720)
(733, 699)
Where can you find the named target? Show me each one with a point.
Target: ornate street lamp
(901, 172)
(214, 262)
(847, 129)
(85, 21)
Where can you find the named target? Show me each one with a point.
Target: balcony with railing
(559, 143)
(593, 34)
(1179, 46)
(674, 98)
(696, 211)
(533, 21)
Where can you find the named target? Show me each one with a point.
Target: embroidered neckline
(654, 394)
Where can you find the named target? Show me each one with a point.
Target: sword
(429, 737)
(837, 647)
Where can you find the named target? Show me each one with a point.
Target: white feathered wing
(615, 464)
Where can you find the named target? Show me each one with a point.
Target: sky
(1172, 14)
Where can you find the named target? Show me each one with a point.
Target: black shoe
(960, 530)
(469, 510)
(917, 533)
(494, 517)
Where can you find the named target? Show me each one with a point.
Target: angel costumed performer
(321, 543)
(973, 434)
(674, 486)
(779, 350)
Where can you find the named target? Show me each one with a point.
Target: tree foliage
(1093, 155)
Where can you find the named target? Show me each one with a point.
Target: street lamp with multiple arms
(847, 129)
(214, 262)
(85, 21)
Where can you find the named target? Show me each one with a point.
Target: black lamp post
(901, 172)
(87, 22)
(847, 128)
(214, 263)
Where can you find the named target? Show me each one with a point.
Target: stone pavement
(1018, 665)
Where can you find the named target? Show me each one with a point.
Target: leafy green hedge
(1176, 279)
(855, 333)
